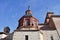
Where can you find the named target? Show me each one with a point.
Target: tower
(27, 27)
(27, 21)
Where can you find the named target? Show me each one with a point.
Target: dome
(7, 29)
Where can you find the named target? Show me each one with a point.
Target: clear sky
(12, 10)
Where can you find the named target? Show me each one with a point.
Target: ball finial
(6, 29)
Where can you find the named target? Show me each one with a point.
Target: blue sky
(12, 10)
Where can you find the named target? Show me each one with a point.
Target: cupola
(28, 12)
(28, 21)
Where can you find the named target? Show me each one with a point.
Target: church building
(29, 28)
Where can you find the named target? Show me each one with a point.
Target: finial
(28, 7)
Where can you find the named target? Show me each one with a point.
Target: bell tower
(28, 22)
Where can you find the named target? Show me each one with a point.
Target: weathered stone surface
(32, 35)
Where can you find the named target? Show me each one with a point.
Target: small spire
(28, 7)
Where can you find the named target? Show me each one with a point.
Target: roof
(27, 16)
(2, 33)
(56, 16)
(41, 24)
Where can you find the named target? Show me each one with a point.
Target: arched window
(34, 23)
(28, 22)
(52, 38)
(26, 37)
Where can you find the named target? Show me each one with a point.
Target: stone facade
(32, 35)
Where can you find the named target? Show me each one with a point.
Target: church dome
(28, 21)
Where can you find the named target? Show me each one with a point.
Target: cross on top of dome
(28, 12)
(28, 7)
